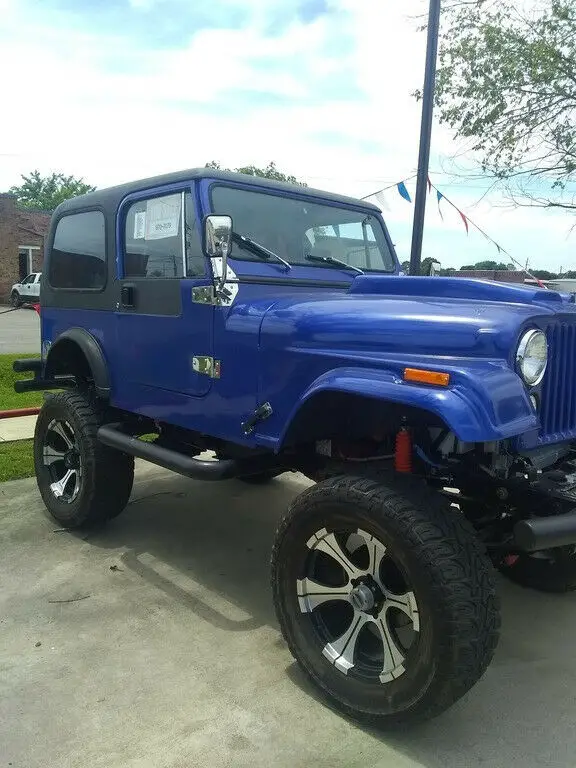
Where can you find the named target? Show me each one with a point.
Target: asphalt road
(153, 643)
(19, 331)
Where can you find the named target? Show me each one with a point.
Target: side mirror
(218, 240)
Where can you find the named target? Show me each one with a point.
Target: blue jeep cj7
(268, 324)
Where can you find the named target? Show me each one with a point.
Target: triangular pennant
(439, 197)
(381, 200)
(404, 192)
(429, 185)
(465, 220)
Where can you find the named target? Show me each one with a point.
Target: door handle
(128, 296)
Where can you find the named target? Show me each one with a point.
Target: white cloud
(72, 109)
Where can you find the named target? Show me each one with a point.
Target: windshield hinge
(204, 294)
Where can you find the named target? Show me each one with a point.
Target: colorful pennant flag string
(403, 191)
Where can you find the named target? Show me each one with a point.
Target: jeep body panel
(288, 336)
(362, 343)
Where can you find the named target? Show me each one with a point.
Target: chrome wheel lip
(62, 461)
(366, 598)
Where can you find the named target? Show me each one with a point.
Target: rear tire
(81, 481)
(15, 299)
(415, 566)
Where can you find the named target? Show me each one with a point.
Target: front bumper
(553, 490)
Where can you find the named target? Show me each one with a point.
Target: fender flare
(92, 351)
(469, 412)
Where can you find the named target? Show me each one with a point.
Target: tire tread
(460, 573)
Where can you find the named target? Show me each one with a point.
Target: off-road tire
(555, 573)
(15, 299)
(107, 474)
(262, 478)
(453, 583)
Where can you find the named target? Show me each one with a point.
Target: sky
(115, 90)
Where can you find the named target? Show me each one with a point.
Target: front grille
(558, 407)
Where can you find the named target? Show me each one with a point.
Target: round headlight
(532, 357)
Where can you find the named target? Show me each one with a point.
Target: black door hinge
(261, 413)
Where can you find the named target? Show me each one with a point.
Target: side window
(153, 242)
(153, 238)
(78, 256)
(29, 279)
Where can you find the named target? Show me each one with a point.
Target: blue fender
(484, 402)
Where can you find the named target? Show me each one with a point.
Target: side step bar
(199, 469)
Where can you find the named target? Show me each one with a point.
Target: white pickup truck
(26, 292)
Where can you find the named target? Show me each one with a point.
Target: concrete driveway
(19, 331)
(154, 643)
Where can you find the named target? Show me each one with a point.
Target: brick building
(22, 234)
(499, 275)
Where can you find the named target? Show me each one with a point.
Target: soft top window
(78, 255)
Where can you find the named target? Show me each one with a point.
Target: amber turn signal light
(426, 377)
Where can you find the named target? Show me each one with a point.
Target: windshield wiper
(333, 261)
(256, 248)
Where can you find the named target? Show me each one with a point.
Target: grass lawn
(9, 398)
(15, 457)
(16, 460)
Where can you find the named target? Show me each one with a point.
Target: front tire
(15, 299)
(81, 481)
(385, 597)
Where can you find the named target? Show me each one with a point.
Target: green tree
(45, 193)
(543, 274)
(270, 172)
(486, 266)
(507, 85)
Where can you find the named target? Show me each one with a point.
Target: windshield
(295, 228)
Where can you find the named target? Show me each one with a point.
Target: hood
(456, 288)
(383, 317)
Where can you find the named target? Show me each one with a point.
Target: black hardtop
(110, 198)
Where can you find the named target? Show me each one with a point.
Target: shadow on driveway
(221, 534)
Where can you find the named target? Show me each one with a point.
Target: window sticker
(162, 217)
(139, 225)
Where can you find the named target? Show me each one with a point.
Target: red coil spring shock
(403, 451)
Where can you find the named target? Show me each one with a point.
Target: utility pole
(425, 135)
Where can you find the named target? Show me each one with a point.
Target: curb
(14, 413)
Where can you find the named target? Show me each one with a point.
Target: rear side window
(78, 256)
